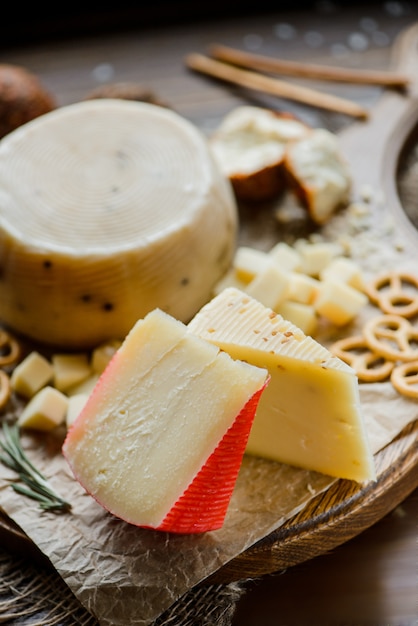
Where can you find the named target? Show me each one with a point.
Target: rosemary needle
(35, 484)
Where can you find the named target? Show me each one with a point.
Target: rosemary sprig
(35, 484)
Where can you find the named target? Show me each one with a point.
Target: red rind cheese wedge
(204, 504)
(160, 441)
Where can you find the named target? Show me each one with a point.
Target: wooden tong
(224, 61)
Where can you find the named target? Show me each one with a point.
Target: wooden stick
(273, 86)
(308, 70)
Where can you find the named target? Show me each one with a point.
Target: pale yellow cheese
(248, 262)
(33, 373)
(270, 286)
(102, 355)
(301, 314)
(86, 386)
(109, 209)
(345, 270)
(286, 256)
(70, 370)
(75, 405)
(339, 302)
(316, 256)
(303, 288)
(160, 409)
(310, 414)
(45, 410)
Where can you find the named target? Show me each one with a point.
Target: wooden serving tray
(373, 149)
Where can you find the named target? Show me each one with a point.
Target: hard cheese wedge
(161, 439)
(309, 415)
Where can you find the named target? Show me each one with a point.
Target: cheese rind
(159, 411)
(310, 414)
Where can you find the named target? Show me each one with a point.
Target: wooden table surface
(373, 579)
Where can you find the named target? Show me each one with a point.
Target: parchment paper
(128, 576)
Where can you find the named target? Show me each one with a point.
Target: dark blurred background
(35, 22)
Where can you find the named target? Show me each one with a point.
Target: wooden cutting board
(374, 150)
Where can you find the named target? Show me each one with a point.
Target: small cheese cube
(270, 286)
(45, 411)
(33, 373)
(75, 405)
(102, 355)
(229, 280)
(345, 270)
(85, 387)
(301, 315)
(248, 262)
(316, 256)
(338, 302)
(69, 370)
(286, 256)
(303, 288)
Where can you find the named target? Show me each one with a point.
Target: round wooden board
(346, 508)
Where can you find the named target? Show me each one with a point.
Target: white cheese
(159, 411)
(109, 209)
(319, 173)
(310, 414)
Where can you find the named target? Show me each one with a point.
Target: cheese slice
(109, 209)
(309, 415)
(158, 442)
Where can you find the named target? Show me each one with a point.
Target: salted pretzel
(5, 389)
(369, 366)
(404, 378)
(10, 350)
(395, 293)
(392, 337)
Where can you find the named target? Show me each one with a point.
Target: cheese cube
(339, 302)
(85, 387)
(316, 256)
(270, 286)
(248, 262)
(70, 369)
(75, 405)
(160, 441)
(102, 355)
(344, 270)
(286, 256)
(33, 373)
(301, 315)
(230, 279)
(303, 288)
(309, 415)
(45, 411)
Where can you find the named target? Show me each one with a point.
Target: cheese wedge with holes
(309, 415)
(109, 209)
(160, 440)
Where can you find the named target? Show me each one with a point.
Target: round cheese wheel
(108, 209)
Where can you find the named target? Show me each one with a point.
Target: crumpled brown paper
(128, 576)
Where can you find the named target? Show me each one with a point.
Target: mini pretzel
(392, 337)
(369, 366)
(5, 389)
(389, 292)
(10, 350)
(405, 379)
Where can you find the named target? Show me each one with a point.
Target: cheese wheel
(109, 209)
